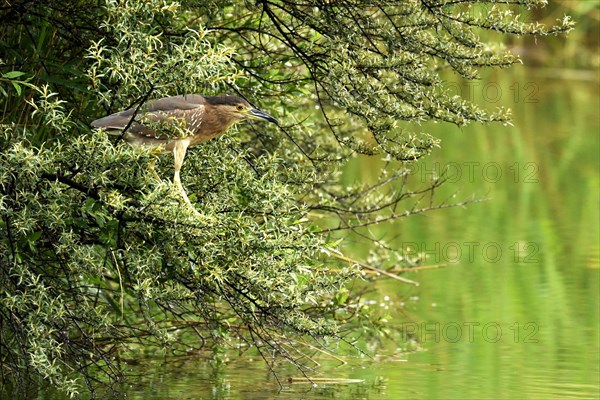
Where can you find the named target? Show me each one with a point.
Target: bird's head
(238, 109)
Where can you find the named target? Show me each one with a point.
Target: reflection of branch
(318, 349)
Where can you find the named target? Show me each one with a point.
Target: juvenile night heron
(199, 118)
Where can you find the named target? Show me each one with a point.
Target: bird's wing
(161, 110)
(166, 104)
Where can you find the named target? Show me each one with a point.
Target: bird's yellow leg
(152, 170)
(179, 151)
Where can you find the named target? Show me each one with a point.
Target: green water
(515, 312)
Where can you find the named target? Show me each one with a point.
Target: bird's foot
(186, 199)
(183, 194)
(152, 169)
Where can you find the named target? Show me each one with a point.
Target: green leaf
(13, 74)
(17, 87)
(34, 236)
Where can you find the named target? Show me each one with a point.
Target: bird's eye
(239, 107)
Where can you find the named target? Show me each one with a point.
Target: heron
(192, 119)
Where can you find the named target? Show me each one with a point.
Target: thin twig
(372, 268)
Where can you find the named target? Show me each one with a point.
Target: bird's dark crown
(225, 100)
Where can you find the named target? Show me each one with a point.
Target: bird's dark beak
(257, 114)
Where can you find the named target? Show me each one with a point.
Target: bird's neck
(209, 132)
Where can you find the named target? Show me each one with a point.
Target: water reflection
(532, 299)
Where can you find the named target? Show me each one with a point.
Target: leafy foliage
(98, 258)
(383, 62)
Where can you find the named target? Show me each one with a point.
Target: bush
(100, 259)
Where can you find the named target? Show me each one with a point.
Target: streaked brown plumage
(201, 117)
